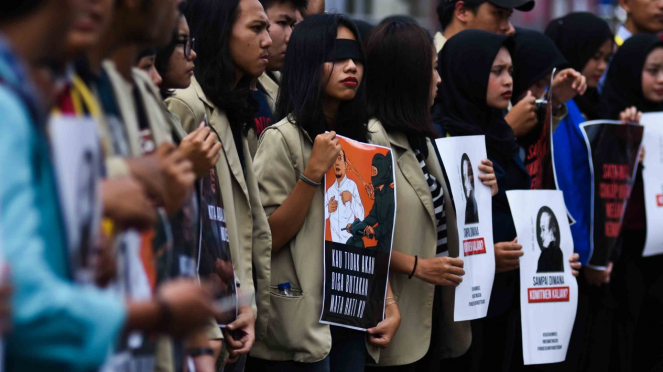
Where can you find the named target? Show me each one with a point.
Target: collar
(622, 35)
(439, 41)
(199, 92)
(345, 178)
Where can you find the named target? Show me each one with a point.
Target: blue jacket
(57, 325)
(574, 177)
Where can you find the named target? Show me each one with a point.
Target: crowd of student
(248, 96)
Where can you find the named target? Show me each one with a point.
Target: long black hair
(400, 60)
(579, 36)
(211, 23)
(303, 84)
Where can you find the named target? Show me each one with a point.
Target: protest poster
(359, 227)
(214, 260)
(538, 145)
(613, 150)
(548, 289)
(78, 167)
(460, 157)
(652, 179)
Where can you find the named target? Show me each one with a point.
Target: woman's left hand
(382, 334)
(575, 264)
(488, 178)
(567, 84)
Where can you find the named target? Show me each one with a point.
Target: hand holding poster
(613, 154)
(359, 226)
(548, 290)
(652, 177)
(461, 157)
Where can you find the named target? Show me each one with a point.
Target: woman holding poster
(321, 90)
(420, 259)
(635, 78)
(477, 109)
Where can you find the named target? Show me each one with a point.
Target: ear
(626, 5)
(462, 13)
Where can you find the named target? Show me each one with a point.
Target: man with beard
(384, 207)
(341, 215)
(552, 258)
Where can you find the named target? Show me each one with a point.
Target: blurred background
(424, 11)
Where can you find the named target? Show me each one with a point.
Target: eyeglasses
(188, 44)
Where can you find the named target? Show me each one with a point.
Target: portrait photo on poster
(360, 211)
(547, 235)
(471, 209)
(548, 289)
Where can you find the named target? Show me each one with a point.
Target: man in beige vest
(282, 16)
(492, 15)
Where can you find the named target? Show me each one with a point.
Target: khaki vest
(416, 234)
(248, 231)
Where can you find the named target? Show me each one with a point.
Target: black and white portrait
(548, 237)
(467, 174)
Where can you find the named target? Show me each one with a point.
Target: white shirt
(345, 213)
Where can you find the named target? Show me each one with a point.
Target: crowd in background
(247, 97)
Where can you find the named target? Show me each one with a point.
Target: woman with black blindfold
(321, 90)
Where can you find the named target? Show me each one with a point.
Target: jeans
(348, 354)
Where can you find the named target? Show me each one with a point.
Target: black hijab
(534, 56)
(579, 36)
(623, 84)
(464, 66)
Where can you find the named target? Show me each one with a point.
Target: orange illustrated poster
(360, 210)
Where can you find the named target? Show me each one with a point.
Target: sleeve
(383, 229)
(213, 331)
(371, 219)
(274, 171)
(53, 320)
(559, 115)
(357, 206)
(327, 199)
(184, 112)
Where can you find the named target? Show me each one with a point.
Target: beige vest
(248, 231)
(416, 234)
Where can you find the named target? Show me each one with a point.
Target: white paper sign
(548, 290)
(76, 154)
(652, 177)
(461, 157)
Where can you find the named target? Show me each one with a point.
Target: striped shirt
(438, 206)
